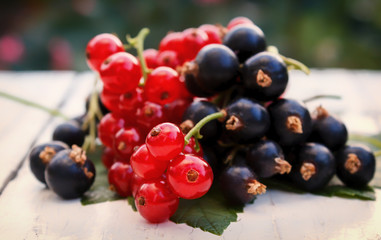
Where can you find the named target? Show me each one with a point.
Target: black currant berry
(246, 121)
(265, 76)
(192, 85)
(291, 122)
(70, 133)
(266, 158)
(328, 130)
(239, 183)
(215, 68)
(313, 167)
(355, 166)
(196, 111)
(70, 174)
(41, 155)
(245, 41)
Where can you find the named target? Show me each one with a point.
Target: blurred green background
(43, 35)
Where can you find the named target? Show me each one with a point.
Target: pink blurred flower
(60, 54)
(11, 49)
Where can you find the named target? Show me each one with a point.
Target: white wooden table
(29, 211)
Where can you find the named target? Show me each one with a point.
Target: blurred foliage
(44, 34)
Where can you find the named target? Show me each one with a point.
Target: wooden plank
(21, 124)
(30, 211)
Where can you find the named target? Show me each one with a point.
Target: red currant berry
(121, 72)
(136, 182)
(110, 99)
(129, 103)
(214, 33)
(238, 21)
(156, 202)
(176, 109)
(101, 47)
(168, 58)
(119, 178)
(189, 176)
(150, 56)
(165, 141)
(194, 40)
(107, 157)
(145, 165)
(149, 116)
(190, 148)
(127, 140)
(173, 41)
(163, 85)
(107, 128)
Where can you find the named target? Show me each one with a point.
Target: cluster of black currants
(262, 134)
(61, 164)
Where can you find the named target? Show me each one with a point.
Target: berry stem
(90, 121)
(377, 153)
(291, 63)
(321, 96)
(138, 43)
(29, 103)
(195, 131)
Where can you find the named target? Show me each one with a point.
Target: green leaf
(99, 192)
(332, 190)
(209, 213)
(131, 201)
(346, 192)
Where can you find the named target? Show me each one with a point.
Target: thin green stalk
(53, 112)
(195, 131)
(321, 96)
(291, 63)
(138, 43)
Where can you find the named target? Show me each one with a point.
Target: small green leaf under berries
(99, 192)
(209, 213)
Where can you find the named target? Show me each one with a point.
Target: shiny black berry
(313, 167)
(246, 121)
(291, 122)
(70, 174)
(41, 155)
(197, 111)
(215, 68)
(239, 183)
(266, 158)
(245, 41)
(70, 133)
(355, 166)
(328, 130)
(265, 76)
(193, 87)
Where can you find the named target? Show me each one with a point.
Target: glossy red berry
(129, 103)
(189, 176)
(150, 56)
(107, 128)
(121, 72)
(136, 182)
(165, 141)
(214, 33)
(163, 86)
(191, 147)
(168, 58)
(101, 47)
(238, 21)
(119, 178)
(194, 40)
(145, 165)
(156, 202)
(173, 41)
(127, 140)
(108, 157)
(148, 116)
(110, 99)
